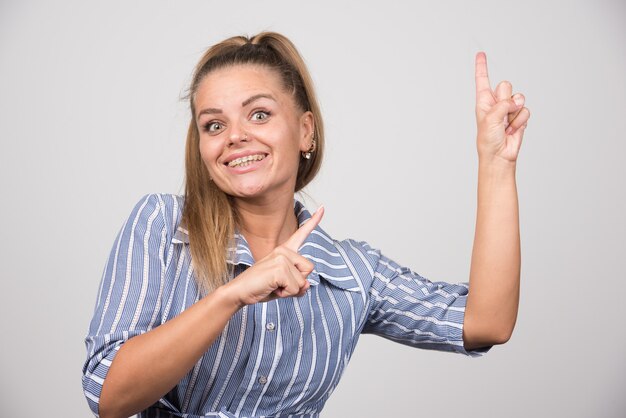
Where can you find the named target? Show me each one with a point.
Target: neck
(267, 223)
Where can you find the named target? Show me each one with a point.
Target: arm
(131, 364)
(132, 359)
(493, 299)
(149, 365)
(495, 270)
(408, 308)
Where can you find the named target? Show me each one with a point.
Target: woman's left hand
(500, 116)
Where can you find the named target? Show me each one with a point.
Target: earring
(307, 154)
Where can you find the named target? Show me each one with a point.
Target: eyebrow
(212, 110)
(256, 97)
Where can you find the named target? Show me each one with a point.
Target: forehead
(238, 82)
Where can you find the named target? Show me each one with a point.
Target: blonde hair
(209, 214)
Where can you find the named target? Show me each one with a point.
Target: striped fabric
(281, 358)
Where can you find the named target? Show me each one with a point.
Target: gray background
(90, 120)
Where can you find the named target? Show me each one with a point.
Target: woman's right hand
(282, 273)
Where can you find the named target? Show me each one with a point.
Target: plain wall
(91, 120)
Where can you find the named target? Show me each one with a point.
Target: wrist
(228, 297)
(496, 166)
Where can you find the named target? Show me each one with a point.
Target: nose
(237, 136)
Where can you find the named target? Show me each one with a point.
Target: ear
(307, 128)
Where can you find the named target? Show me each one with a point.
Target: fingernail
(509, 130)
(320, 208)
(518, 100)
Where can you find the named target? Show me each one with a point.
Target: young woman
(231, 301)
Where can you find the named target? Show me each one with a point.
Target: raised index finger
(482, 76)
(295, 241)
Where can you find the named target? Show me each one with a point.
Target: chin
(252, 190)
(260, 187)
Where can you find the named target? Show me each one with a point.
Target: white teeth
(245, 161)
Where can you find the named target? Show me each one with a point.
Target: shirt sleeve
(129, 297)
(410, 309)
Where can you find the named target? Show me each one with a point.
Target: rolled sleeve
(410, 309)
(128, 302)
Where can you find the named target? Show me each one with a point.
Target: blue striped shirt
(281, 358)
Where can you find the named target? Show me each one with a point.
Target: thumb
(296, 240)
(500, 110)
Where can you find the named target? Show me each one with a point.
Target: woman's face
(251, 131)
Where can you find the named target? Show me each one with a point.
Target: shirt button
(270, 326)
(262, 380)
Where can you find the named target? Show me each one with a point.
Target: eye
(212, 127)
(260, 115)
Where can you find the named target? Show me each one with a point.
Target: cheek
(209, 153)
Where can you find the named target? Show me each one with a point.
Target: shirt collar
(318, 247)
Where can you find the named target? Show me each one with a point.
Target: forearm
(149, 365)
(493, 299)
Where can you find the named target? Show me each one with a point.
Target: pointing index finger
(482, 76)
(297, 239)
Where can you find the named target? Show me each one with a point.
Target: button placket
(270, 320)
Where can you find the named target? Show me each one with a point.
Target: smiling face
(251, 131)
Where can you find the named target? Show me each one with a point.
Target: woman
(234, 302)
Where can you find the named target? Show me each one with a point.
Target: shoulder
(163, 200)
(355, 250)
(166, 206)
(168, 203)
